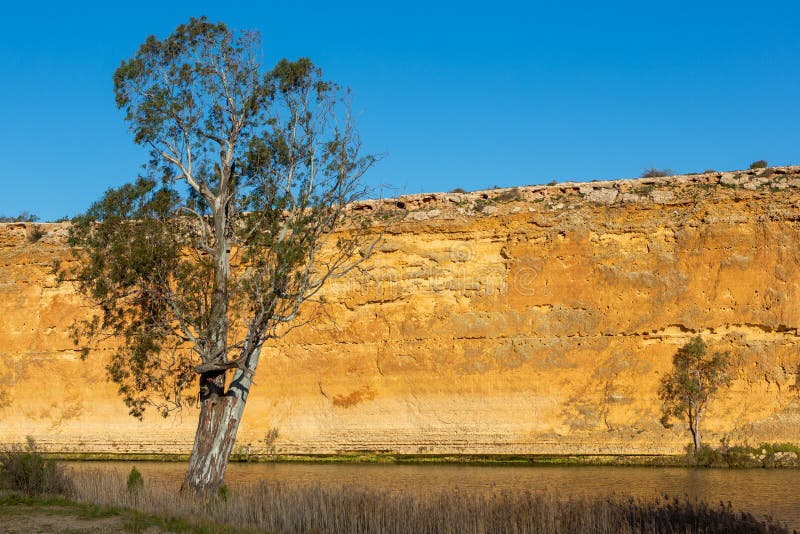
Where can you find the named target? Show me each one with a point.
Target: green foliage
(772, 448)
(766, 455)
(26, 470)
(458, 190)
(35, 233)
(760, 164)
(694, 380)
(740, 457)
(135, 482)
(242, 453)
(130, 243)
(195, 264)
(652, 172)
(706, 456)
(22, 217)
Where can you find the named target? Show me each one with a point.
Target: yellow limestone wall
(532, 320)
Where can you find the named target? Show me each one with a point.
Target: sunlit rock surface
(528, 320)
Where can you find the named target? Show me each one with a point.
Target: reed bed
(279, 507)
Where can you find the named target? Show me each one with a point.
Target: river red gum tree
(233, 227)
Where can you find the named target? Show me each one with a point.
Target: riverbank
(389, 458)
(297, 497)
(764, 456)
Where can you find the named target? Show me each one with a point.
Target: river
(762, 492)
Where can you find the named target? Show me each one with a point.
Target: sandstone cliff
(527, 320)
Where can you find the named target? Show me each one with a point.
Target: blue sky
(455, 94)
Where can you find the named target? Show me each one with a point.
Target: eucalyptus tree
(240, 217)
(688, 389)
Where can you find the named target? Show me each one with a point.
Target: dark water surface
(763, 492)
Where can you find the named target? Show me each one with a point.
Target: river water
(762, 492)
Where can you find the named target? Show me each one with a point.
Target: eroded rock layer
(527, 320)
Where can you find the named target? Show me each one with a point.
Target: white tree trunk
(220, 414)
(695, 428)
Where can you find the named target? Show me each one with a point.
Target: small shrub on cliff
(652, 172)
(35, 233)
(760, 164)
(26, 470)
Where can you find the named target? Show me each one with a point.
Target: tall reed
(281, 507)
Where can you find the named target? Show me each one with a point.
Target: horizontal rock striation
(533, 320)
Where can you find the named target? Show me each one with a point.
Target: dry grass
(283, 508)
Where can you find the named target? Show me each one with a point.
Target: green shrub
(458, 190)
(740, 457)
(765, 455)
(652, 172)
(772, 448)
(760, 164)
(135, 481)
(707, 456)
(25, 469)
(35, 233)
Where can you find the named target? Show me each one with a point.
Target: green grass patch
(16, 505)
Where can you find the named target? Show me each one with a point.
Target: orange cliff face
(530, 320)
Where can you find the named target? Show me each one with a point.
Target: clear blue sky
(456, 94)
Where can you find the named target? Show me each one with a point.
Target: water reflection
(760, 491)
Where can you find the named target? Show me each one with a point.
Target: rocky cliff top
(667, 190)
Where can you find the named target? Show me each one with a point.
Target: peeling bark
(217, 426)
